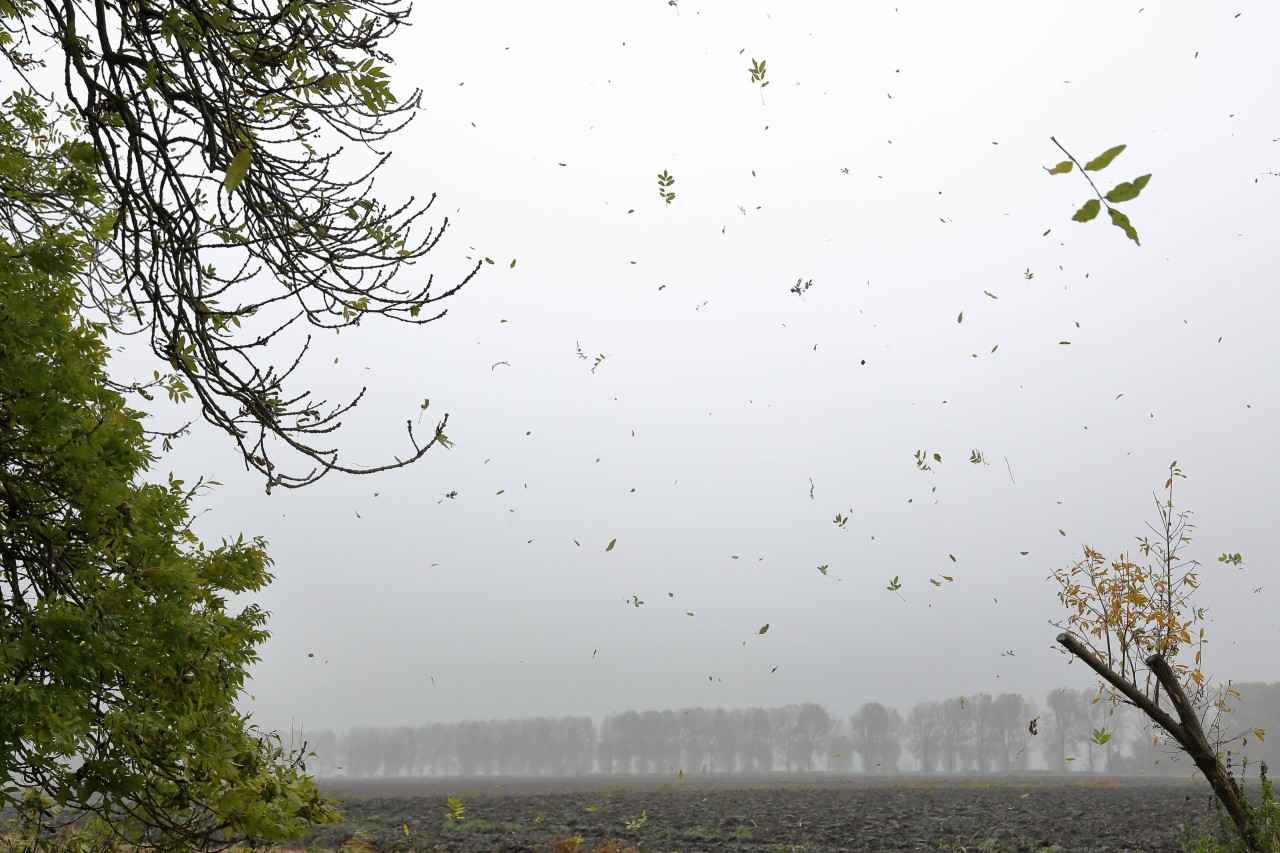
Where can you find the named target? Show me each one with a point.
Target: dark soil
(770, 815)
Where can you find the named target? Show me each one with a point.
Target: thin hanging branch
(220, 132)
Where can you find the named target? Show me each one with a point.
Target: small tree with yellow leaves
(1133, 623)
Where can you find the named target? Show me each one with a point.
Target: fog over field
(680, 423)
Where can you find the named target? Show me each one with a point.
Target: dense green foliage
(178, 154)
(120, 658)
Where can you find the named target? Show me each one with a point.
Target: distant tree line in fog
(974, 734)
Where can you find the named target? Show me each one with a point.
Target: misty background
(1077, 731)
(897, 162)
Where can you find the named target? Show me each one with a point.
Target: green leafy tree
(120, 659)
(229, 212)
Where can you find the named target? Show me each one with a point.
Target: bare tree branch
(169, 94)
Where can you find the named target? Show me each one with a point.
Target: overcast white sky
(897, 162)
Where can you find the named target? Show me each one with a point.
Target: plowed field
(773, 814)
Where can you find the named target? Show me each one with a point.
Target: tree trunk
(1188, 733)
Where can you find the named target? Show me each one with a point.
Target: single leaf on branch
(1061, 169)
(1088, 211)
(1104, 159)
(1122, 222)
(1127, 191)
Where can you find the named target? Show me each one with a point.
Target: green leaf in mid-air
(1121, 221)
(238, 169)
(764, 629)
(609, 547)
(1104, 159)
(1127, 191)
(1088, 211)
(1062, 168)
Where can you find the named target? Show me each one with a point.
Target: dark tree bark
(1186, 729)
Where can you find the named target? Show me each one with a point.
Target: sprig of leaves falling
(801, 286)
(923, 457)
(757, 76)
(599, 359)
(1121, 192)
(665, 182)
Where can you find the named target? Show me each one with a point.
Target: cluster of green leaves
(120, 659)
(1121, 192)
(665, 182)
(595, 362)
(923, 458)
(757, 76)
(801, 286)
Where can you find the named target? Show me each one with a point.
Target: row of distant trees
(1075, 730)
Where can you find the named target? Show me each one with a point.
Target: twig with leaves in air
(800, 286)
(757, 76)
(923, 457)
(1121, 192)
(665, 182)
(596, 362)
